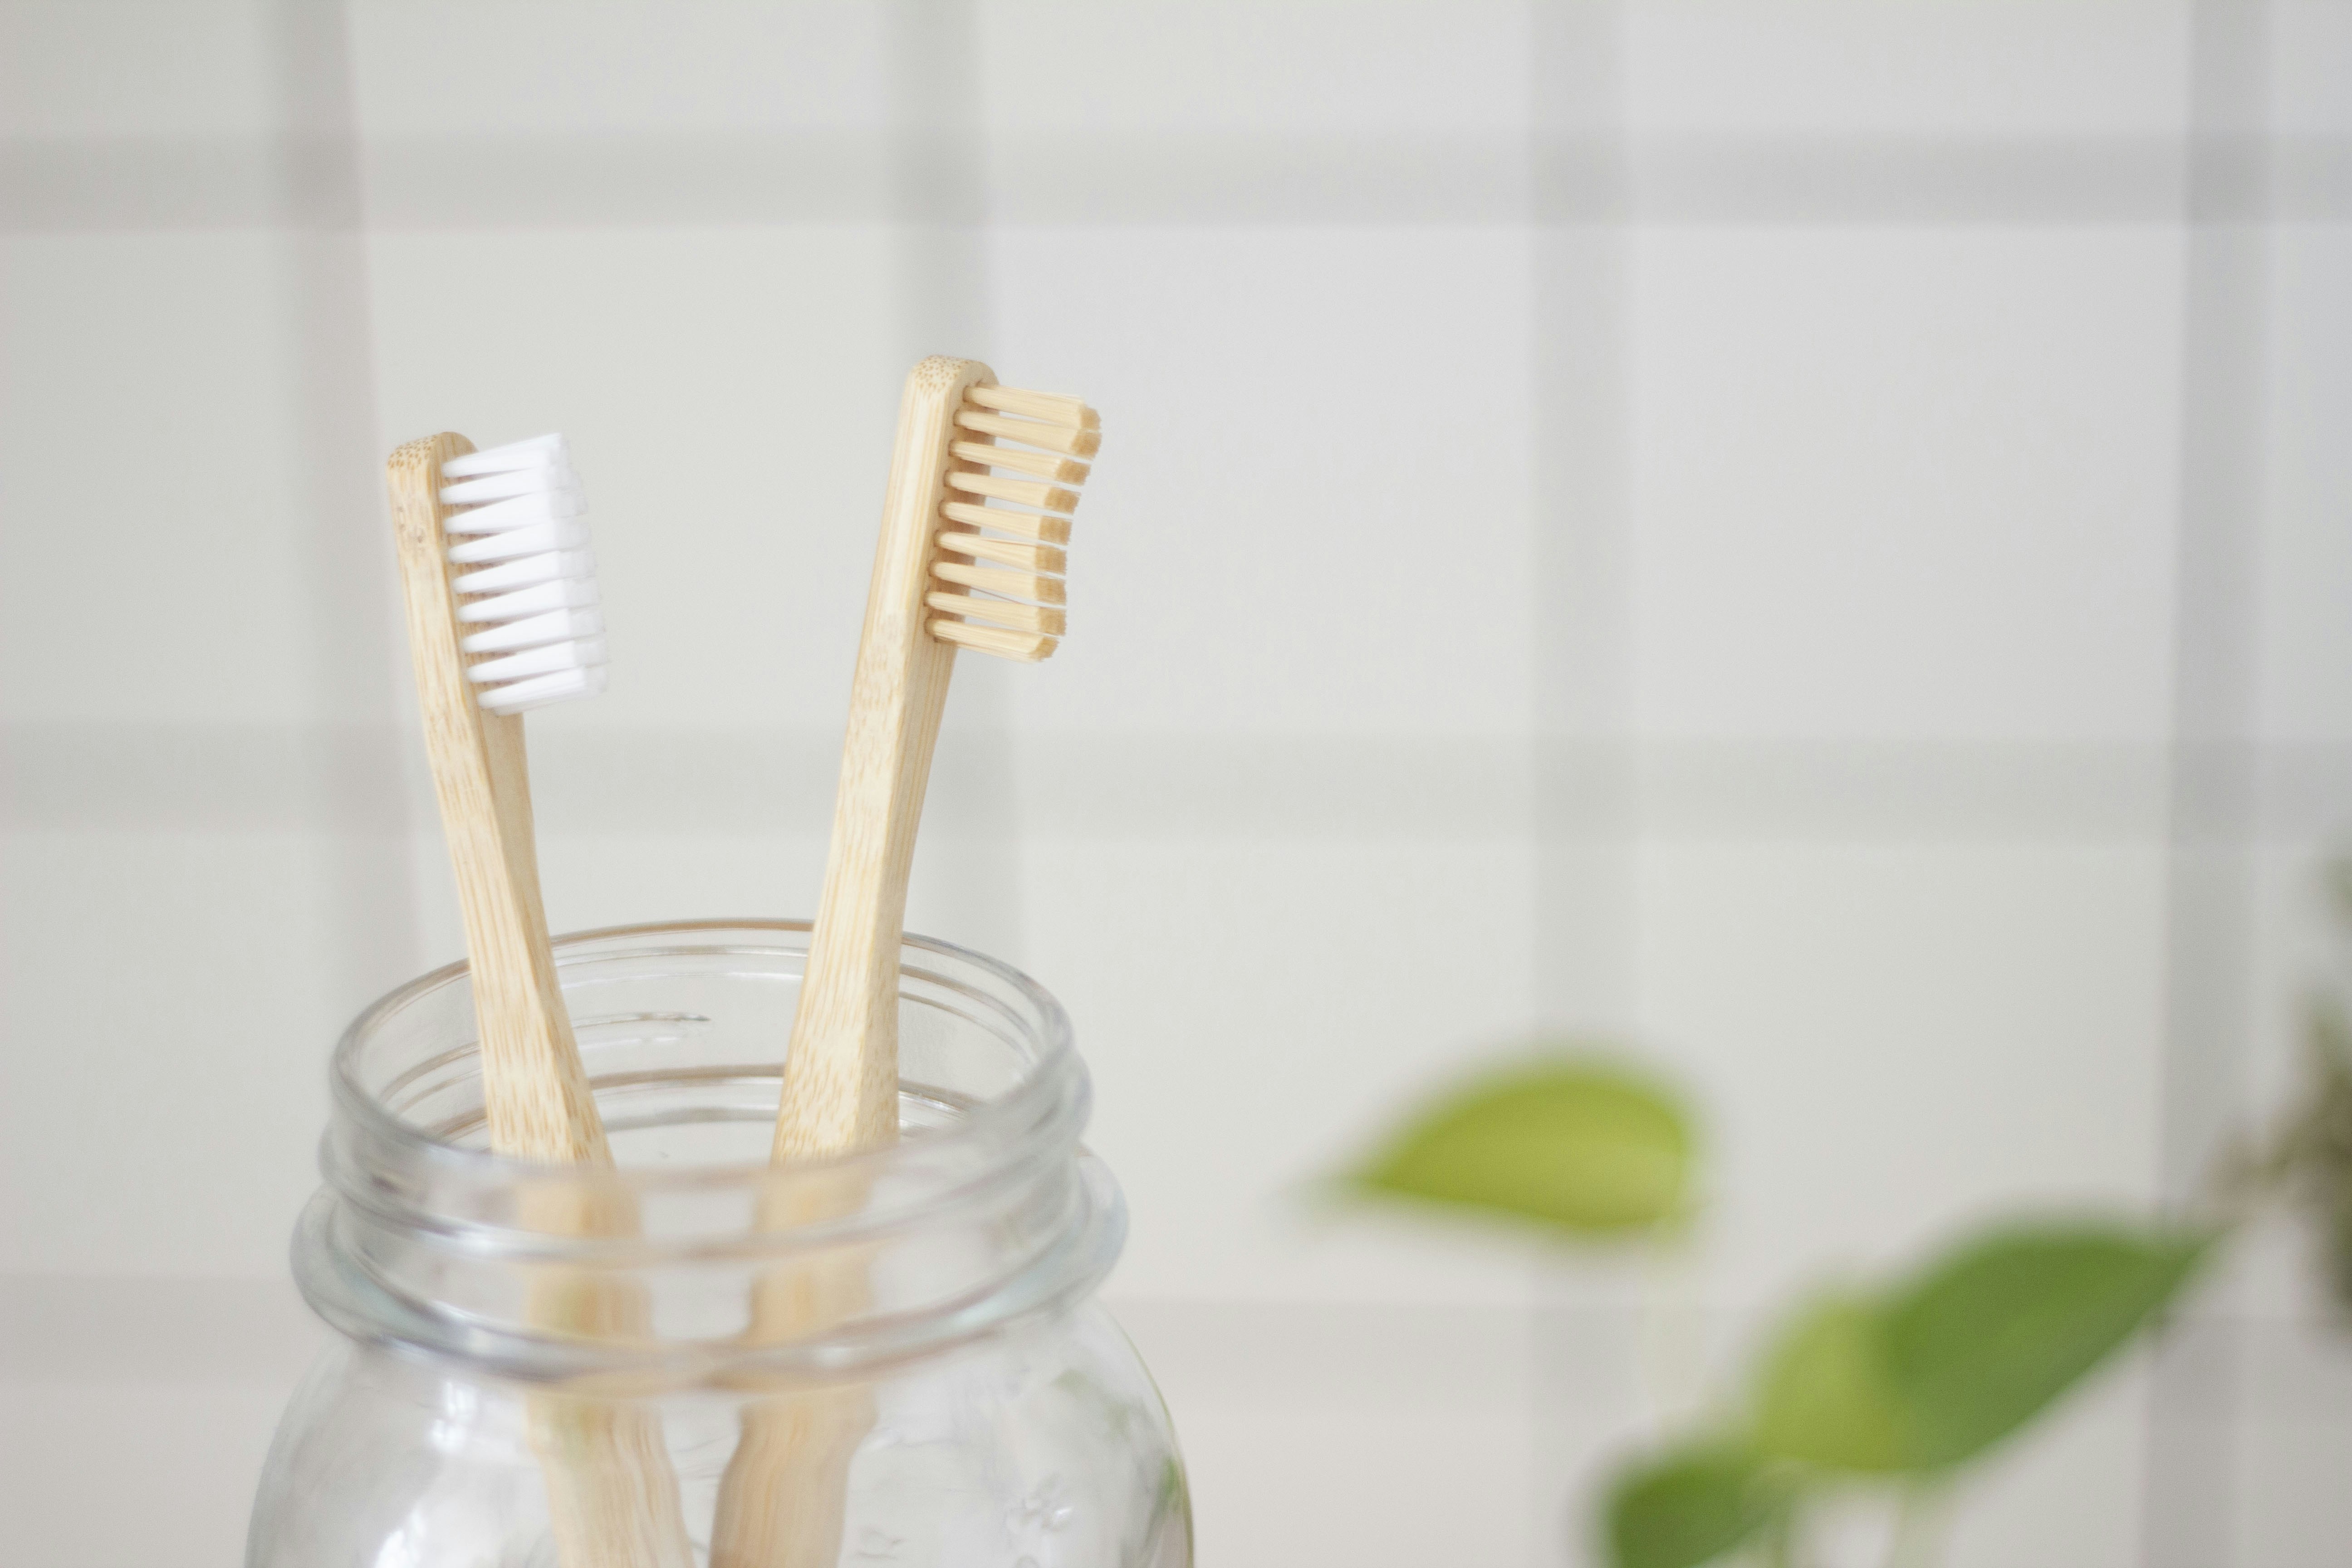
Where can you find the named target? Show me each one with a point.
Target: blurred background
(1807, 540)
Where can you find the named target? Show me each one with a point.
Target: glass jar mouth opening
(1052, 1056)
(682, 1027)
(985, 1209)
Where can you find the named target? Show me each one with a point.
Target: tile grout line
(355, 649)
(2189, 1506)
(1583, 804)
(654, 179)
(211, 778)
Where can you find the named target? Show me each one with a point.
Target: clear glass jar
(981, 1410)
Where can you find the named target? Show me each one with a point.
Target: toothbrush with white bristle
(494, 541)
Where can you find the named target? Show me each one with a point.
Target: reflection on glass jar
(941, 1390)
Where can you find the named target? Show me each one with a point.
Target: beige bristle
(1004, 551)
(1023, 492)
(1026, 618)
(1043, 528)
(1052, 407)
(1021, 568)
(1034, 432)
(1011, 585)
(1062, 471)
(1027, 646)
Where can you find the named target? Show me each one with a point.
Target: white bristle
(554, 565)
(566, 534)
(585, 654)
(499, 459)
(556, 626)
(524, 602)
(542, 690)
(523, 511)
(535, 591)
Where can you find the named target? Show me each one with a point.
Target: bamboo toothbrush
(505, 621)
(941, 541)
(951, 571)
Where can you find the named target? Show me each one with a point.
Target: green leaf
(1582, 1146)
(1984, 1340)
(1691, 1507)
(1827, 1397)
(1945, 1364)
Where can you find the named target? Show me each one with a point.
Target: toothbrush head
(531, 589)
(997, 576)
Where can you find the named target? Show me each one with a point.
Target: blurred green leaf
(1826, 1397)
(1981, 1343)
(1974, 1345)
(1691, 1507)
(1577, 1145)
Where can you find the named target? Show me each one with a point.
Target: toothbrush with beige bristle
(984, 479)
(503, 617)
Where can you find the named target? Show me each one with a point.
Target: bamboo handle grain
(841, 1075)
(612, 1497)
(534, 1089)
(782, 1500)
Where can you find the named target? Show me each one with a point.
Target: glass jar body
(1043, 1447)
(981, 1408)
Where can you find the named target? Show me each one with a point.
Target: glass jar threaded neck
(986, 1212)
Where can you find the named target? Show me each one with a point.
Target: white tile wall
(2310, 49)
(1951, 68)
(1329, 68)
(164, 1393)
(147, 377)
(168, 1005)
(1893, 1041)
(1223, 993)
(122, 67)
(1741, 617)
(1904, 483)
(2288, 1511)
(194, 1447)
(552, 67)
(2307, 547)
(1289, 1412)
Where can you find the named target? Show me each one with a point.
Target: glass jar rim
(417, 1240)
(1055, 1059)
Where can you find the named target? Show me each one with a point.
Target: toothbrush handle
(613, 1497)
(535, 1092)
(841, 1075)
(785, 1497)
